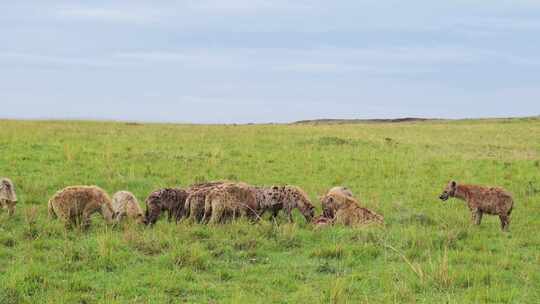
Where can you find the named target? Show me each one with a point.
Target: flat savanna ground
(428, 251)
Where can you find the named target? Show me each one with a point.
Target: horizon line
(402, 119)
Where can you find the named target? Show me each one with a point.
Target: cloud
(130, 15)
(330, 58)
(181, 12)
(379, 61)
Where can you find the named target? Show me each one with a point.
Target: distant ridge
(401, 120)
(353, 121)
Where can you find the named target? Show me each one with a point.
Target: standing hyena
(76, 204)
(171, 200)
(126, 205)
(480, 199)
(194, 206)
(284, 198)
(8, 198)
(230, 201)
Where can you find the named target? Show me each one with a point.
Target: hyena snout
(444, 196)
(310, 214)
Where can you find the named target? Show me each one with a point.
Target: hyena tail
(50, 208)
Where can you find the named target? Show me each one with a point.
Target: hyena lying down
(346, 210)
(480, 199)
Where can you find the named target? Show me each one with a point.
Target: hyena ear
(454, 183)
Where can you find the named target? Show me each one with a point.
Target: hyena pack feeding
(8, 198)
(482, 200)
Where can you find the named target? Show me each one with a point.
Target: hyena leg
(207, 216)
(274, 214)
(505, 222)
(251, 215)
(199, 215)
(477, 217)
(216, 215)
(85, 220)
(193, 216)
(11, 208)
(179, 215)
(71, 221)
(288, 211)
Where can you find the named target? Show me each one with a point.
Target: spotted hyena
(171, 200)
(230, 201)
(284, 198)
(126, 206)
(8, 198)
(76, 204)
(482, 200)
(195, 202)
(346, 210)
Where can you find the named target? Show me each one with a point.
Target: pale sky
(226, 61)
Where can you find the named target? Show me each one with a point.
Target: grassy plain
(428, 251)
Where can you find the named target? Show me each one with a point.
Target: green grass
(428, 251)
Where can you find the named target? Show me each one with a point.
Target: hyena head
(303, 203)
(449, 191)
(308, 211)
(329, 205)
(108, 212)
(7, 191)
(153, 208)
